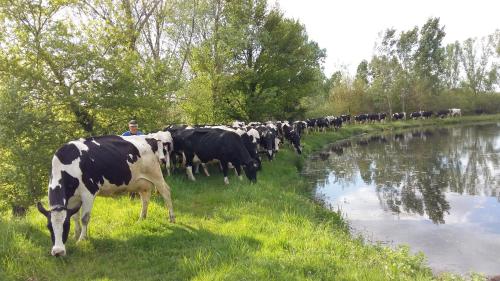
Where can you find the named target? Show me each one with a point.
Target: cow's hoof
(172, 219)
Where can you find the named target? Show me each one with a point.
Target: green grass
(272, 230)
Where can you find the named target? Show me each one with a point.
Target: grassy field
(272, 230)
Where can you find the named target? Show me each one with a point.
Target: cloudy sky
(348, 29)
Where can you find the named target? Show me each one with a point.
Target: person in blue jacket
(133, 129)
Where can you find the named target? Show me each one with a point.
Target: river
(436, 190)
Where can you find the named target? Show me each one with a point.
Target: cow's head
(267, 142)
(58, 223)
(251, 170)
(165, 146)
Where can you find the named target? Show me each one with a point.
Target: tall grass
(272, 230)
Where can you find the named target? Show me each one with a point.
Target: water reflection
(435, 189)
(412, 171)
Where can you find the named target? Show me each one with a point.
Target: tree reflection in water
(412, 171)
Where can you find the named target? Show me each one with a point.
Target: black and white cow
(106, 165)
(455, 112)
(300, 127)
(426, 114)
(399, 116)
(361, 118)
(208, 144)
(415, 115)
(267, 143)
(292, 136)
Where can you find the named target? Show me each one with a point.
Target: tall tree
(429, 56)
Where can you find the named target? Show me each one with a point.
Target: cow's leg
(231, 166)
(205, 170)
(164, 190)
(145, 196)
(78, 225)
(197, 168)
(189, 166)
(225, 169)
(237, 169)
(87, 204)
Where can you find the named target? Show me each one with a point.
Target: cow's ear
(42, 210)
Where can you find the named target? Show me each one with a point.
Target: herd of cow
(110, 165)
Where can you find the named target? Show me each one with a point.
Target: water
(436, 190)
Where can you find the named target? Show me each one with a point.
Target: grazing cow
(105, 166)
(442, 113)
(455, 112)
(216, 144)
(250, 139)
(415, 115)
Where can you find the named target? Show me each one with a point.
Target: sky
(348, 29)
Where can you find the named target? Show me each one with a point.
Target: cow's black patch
(64, 190)
(153, 143)
(67, 153)
(108, 159)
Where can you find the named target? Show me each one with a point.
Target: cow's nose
(56, 251)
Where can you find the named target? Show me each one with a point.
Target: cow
(267, 143)
(399, 116)
(382, 116)
(322, 124)
(426, 114)
(373, 117)
(311, 123)
(346, 118)
(208, 144)
(292, 136)
(455, 112)
(300, 127)
(105, 166)
(337, 122)
(250, 138)
(361, 118)
(415, 115)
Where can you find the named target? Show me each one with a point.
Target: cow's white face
(59, 226)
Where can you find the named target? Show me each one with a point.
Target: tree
(429, 56)
(475, 56)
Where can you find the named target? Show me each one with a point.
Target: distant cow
(426, 114)
(415, 115)
(399, 116)
(361, 118)
(106, 165)
(455, 112)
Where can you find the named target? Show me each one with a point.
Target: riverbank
(272, 230)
